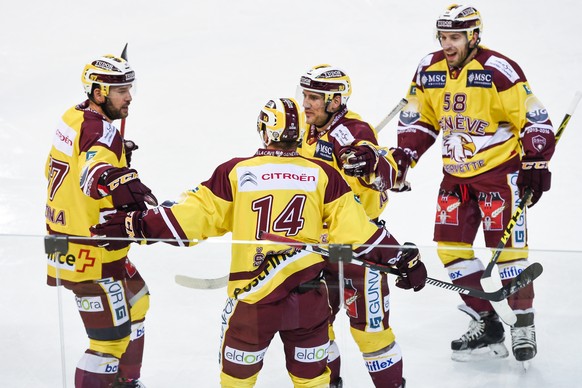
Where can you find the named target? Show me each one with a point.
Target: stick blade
(201, 284)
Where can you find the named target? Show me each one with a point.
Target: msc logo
(433, 79)
(480, 78)
(324, 150)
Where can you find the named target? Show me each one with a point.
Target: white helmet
(281, 120)
(107, 71)
(328, 80)
(460, 18)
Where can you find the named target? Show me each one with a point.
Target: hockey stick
(200, 283)
(487, 282)
(401, 104)
(122, 127)
(212, 283)
(523, 279)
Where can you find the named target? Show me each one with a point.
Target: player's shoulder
(505, 71)
(431, 61)
(351, 128)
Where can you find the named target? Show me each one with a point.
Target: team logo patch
(480, 78)
(324, 150)
(433, 79)
(447, 209)
(350, 297)
(492, 206)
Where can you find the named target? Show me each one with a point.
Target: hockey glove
(121, 226)
(403, 161)
(534, 174)
(412, 270)
(130, 146)
(359, 161)
(126, 190)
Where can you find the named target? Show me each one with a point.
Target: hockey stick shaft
(529, 274)
(527, 194)
(502, 308)
(122, 127)
(201, 283)
(401, 104)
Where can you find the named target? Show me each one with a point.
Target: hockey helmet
(329, 80)
(460, 18)
(281, 120)
(107, 71)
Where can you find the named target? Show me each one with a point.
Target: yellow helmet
(281, 120)
(107, 71)
(328, 80)
(460, 18)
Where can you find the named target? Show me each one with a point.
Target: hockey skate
(484, 339)
(523, 338)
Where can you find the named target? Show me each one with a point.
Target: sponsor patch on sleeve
(503, 66)
(343, 135)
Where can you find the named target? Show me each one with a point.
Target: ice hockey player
(88, 177)
(274, 288)
(497, 140)
(340, 138)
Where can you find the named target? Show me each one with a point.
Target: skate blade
(485, 353)
(525, 365)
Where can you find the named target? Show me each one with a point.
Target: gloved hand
(130, 146)
(411, 268)
(119, 225)
(359, 161)
(534, 174)
(126, 190)
(403, 161)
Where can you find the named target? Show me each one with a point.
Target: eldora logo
(89, 304)
(243, 357)
(316, 354)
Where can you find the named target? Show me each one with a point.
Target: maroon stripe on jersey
(154, 225)
(219, 183)
(92, 131)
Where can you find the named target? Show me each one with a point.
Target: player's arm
(537, 138)
(199, 213)
(104, 171)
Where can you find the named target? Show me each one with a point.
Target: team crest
(492, 206)
(447, 212)
(459, 147)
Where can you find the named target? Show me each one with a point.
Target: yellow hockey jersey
(273, 191)
(348, 129)
(486, 111)
(84, 145)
